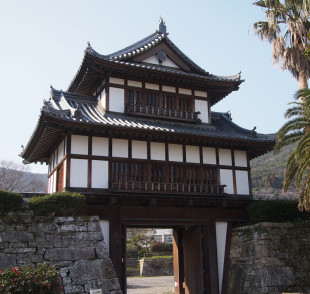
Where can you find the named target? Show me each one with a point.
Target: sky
(43, 43)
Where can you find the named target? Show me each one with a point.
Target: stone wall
(156, 266)
(270, 258)
(74, 245)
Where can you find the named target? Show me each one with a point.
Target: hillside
(21, 181)
(267, 175)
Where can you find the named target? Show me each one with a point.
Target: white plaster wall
(225, 157)
(201, 94)
(169, 62)
(120, 148)
(139, 149)
(61, 152)
(78, 173)
(79, 144)
(152, 86)
(65, 174)
(54, 159)
(208, 155)
(158, 151)
(226, 176)
(116, 99)
(240, 158)
(203, 107)
(116, 81)
(53, 190)
(134, 84)
(192, 154)
(221, 233)
(49, 185)
(105, 228)
(175, 152)
(152, 59)
(100, 174)
(103, 99)
(169, 89)
(100, 146)
(185, 91)
(242, 181)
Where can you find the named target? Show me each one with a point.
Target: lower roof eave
(51, 129)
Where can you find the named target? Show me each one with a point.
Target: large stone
(70, 254)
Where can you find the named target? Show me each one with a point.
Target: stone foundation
(74, 245)
(270, 258)
(156, 267)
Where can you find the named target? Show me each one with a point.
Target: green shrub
(276, 211)
(59, 204)
(10, 202)
(161, 247)
(43, 279)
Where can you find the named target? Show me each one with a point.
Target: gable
(162, 59)
(162, 54)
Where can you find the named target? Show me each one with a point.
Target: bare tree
(16, 177)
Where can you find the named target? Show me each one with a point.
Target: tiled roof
(86, 110)
(125, 56)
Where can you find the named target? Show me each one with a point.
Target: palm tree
(286, 27)
(297, 130)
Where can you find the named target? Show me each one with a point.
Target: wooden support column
(117, 246)
(178, 264)
(226, 260)
(212, 283)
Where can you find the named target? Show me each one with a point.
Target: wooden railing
(159, 112)
(166, 187)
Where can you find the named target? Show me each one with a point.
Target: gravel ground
(150, 285)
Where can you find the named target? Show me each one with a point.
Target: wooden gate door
(193, 261)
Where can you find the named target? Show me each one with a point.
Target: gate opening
(149, 260)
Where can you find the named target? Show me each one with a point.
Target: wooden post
(117, 252)
(212, 266)
(178, 264)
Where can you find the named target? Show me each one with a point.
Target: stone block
(70, 254)
(7, 260)
(101, 250)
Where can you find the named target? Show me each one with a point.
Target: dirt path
(150, 285)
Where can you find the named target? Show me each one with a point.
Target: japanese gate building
(135, 133)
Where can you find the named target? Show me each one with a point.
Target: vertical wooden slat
(234, 171)
(117, 253)
(178, 263)
(249, 174)
(89, 174)
(212, 266)
(68, 161)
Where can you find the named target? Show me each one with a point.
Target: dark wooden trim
(212, 266)
(116, 245)
(166, 152)
(184, 152)
(68, 161)
(148, 150)
(107, 93)
(111, 85)
(200, 155)
(110, 147)
(226, 259)
(130, 148)
(234, 171)
(249, 173)
(89, 173)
